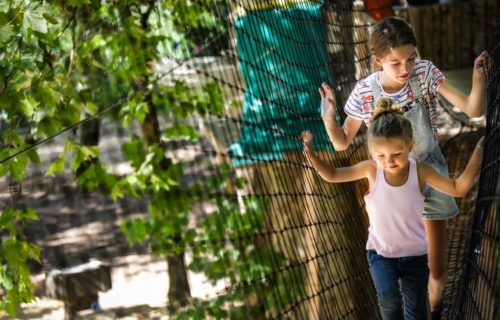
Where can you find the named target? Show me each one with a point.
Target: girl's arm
(341, 137)
(330, 173)
(460, 186)
(472, 105)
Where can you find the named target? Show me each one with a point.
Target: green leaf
(50, 18)
(133, 150)
(135, 230)
(56, 166)
(7, 282)
(83, 154)
(34, 252)
(6, 32)
(18, 166)
(5, 218)
(11, 308)
(189, 236)
(78, 3)
(215, 97)
(11, 251)
(33, 156)
(69, 145)
(4, 168)
(28, 106)
(236, 104)
(23, 81)
(29, 214)
(91, 107)
(34, 21)
(90, 152)
(182, 131)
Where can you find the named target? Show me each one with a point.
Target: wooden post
(310, 217)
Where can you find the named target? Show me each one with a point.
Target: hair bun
(384, 106)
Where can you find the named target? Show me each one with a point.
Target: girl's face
(390, 154)
(397, 65)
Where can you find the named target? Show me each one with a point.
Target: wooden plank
(469, 35)
(417, 28)
(449, 39)
(479, 21)
(437, 35)
(491, 17)
(452, 35)
(459, 35)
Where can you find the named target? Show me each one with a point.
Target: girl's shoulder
(429, 76)
(370, 170)
(365, 83)
(370, 166)
(363, 91)
(426, 69)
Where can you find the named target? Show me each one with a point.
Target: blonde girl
(414, 84)
(396, 246)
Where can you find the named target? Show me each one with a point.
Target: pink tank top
(395, 213)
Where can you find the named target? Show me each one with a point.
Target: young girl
(414, 84)
(397, 247)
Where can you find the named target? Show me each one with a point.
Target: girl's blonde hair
(388, 33)
(388, 121)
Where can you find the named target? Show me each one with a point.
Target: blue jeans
(401, 283)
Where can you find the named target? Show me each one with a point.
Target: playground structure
(278, 57)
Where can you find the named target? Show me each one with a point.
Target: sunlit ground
(139, 291)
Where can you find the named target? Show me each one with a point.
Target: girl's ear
(376, 64)
(411, 144)
(370, 154)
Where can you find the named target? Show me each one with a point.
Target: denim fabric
(438, 206)
(401, 285)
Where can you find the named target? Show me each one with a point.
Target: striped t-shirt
(361, 102)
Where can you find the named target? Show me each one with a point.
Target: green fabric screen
(283, 61)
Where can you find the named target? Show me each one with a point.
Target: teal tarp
(283, 61)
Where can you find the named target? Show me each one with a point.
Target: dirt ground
(139, 290)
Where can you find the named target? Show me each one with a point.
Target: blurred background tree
(64, 62)
(70, 65)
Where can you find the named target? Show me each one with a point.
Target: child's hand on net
(307, 137)
(482, 64)
(328, 104)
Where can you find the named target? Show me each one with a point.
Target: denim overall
(438, 206)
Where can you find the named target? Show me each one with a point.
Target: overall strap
(376, 90)
(419, 98)
(415, 86)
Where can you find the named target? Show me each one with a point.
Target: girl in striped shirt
(414, 84)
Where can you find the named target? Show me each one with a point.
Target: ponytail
(388, 121)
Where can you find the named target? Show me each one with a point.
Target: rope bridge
(298, 243)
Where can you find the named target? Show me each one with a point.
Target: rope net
(288, 244)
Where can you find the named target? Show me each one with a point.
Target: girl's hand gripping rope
(482, 65)
(328, 104)
(307, 137)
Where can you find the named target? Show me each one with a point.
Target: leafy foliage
(15, 251)
(62, 61)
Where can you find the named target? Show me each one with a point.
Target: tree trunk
(89, 132)
(89, 136)
(179, 292)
